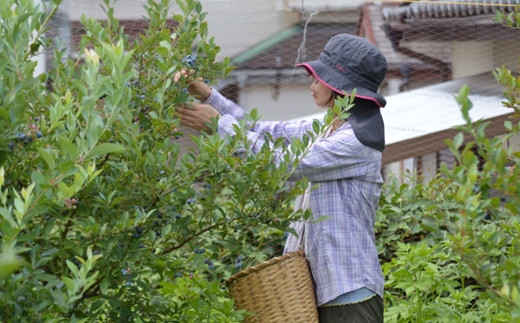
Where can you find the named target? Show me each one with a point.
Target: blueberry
(177, 275)
(238, 265)
(22, 136)
(128, 284)
(11, 145)
(190, 201)
(199, 251)
(29, 139)
(190, 60)
(39, 134)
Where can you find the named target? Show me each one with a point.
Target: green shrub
(102, 217)
(449, 248)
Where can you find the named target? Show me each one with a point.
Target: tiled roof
(437, 50)
(132, 28)
(281, 51)
(448, 9)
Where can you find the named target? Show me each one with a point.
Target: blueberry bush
(449, 248)
(106, 218)
(103, 216)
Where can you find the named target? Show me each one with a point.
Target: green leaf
(8, 263)
(73, 268)
(105, 148)
(457, 140)
(69, 283)
(104, 286)
(166, 45)
(464, 102)
(48, 157)
(66, 147)
(65, 190)
(38, 178)
(316, 126)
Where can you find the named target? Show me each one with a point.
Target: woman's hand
(197, 88)
(198, 116)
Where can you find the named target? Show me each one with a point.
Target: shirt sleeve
(335, 157)
(276, 129)
(338, 156)
(224, 106)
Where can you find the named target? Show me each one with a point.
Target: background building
(432, 48)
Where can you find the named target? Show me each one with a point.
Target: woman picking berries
(345, 165)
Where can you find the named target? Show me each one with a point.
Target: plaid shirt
(341, 250)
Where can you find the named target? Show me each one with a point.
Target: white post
(40, 58)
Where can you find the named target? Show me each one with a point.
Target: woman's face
(321, 94)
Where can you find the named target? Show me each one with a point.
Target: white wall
(471, 58)
(235, 24)
(474, 57)
(514, 143)
(293, 101)
(324, 4)
(40, 59)
(124, 9)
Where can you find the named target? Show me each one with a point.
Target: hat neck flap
(367, 123)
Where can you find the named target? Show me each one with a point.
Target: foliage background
(102, 218)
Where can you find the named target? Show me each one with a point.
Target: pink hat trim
(309, 68)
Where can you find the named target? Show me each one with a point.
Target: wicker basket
(278, 290)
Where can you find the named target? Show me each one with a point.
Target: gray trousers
(369, 311)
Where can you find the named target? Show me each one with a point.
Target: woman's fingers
(182, 73)
(198, 116)
(200, 90)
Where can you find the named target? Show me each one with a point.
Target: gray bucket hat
(350, 62)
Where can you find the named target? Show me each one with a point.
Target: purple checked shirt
(341, 249)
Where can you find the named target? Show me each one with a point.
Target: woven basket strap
(261, 266)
